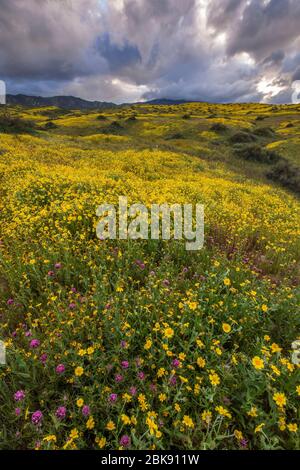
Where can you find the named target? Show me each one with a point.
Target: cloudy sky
(129, 50)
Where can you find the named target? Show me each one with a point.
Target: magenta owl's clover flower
(37, 417)
(153, 387)
(243, 442)
(43, 358)
(125, 441)
(176, 363)
(34, 343)
(86, 410)
(132, 391)
(173, 380)
(125, 364)
(10, 301)
(51, 273)
(118, 378)
(141, 375)
(113, 397)
(72, 305)
(17, 411)
(28, 334)
(19, 395)
(60, 369)
(61, 412)
(57, 265)
(123, 344)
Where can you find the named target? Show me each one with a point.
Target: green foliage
(14, 124)
(287, 175)
(218, 127)
(256, 153)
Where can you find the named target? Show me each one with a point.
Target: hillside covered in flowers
(142, 344)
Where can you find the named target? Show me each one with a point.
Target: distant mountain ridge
(73, 102)
(67, 102)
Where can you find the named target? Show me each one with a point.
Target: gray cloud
(125, 50)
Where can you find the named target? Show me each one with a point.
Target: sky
(136, 50)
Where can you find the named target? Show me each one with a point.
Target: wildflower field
(142, 344)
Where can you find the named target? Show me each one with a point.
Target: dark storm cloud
(47, 39)
(275, 58)
(120, 50)
(256, 26)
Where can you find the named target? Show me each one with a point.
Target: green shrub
(256, 153)
(242, 137)
(218, 127)
(286, 174)
(113, 128)
(177, 135)
(50, 125)
(131, 118)
(14, 125)
(264, 132)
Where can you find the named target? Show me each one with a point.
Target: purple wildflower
(19, 395)
(86, 410)
(61, 412)
(37, 417)
(34, 343)
(60, 369)
(125, 441)
(173, 380)
(113, 397)
(43, 358)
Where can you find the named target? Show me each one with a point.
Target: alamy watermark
(164, 221)
(2, 92)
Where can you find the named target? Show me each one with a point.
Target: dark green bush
(286, 174)
(256, 153)
(50, 125)
(242, 137)
(14, 125)
(264, 132)
(177, 135)
(218, 127)
(131, 118)
(113, 128)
